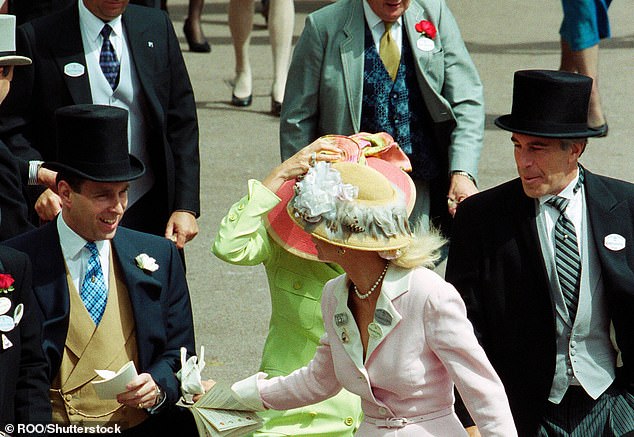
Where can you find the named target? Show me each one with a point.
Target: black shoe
(603, 130)
(198, 47)
(276, 107)
(241, 101)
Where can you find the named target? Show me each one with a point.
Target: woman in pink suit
(396, 333)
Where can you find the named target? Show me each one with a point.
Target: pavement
(231, 304)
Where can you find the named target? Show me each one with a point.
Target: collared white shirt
(128, 94)
(92, 40)
(378, 28)
(76, 255)
(548, 215)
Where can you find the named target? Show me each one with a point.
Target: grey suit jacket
(325, 85)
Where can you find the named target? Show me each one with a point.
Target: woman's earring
(341, 251)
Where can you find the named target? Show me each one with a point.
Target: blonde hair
(422, 251)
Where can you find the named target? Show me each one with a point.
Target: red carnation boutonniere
(427, 32)
(6, 282)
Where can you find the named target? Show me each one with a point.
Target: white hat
(7, 43)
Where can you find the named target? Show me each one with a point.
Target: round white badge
(614, 242)
(5, 305)
(425, 44)
(74, 69)
(6, 323)
(17, 314)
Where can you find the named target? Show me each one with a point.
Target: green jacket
(296, 323)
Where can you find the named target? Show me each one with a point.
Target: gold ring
(451, 202)
(140, 405)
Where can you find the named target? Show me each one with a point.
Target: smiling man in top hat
(108, 294)
(544, 264)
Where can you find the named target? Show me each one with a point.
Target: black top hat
(552, 104)
(92, 143)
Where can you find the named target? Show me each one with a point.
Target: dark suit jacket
(160, 300)
(24, 384)
(13, 205)
(496, 263)
(27, 123)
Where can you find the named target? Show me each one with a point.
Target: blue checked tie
(567, 257)
(108, 58)
(93, 288)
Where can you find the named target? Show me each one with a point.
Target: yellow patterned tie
(389, 52)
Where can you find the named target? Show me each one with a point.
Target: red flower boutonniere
(427, 32)
(6, 282)
(426, 28)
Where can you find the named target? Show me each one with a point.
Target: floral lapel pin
(6, 283)
(146, 262)
(427, 32)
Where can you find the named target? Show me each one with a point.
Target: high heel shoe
(276, 107)
(198, 47)
(241, 101)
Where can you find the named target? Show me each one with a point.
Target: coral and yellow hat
(376, 151)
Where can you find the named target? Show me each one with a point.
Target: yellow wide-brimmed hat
(351, 205)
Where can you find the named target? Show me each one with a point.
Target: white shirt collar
(72, 243)
(92, 25)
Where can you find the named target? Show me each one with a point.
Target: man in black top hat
(108, 295)
(111, 53)
(544, 264)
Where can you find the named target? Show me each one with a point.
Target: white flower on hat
(319, 192)
(146, 262)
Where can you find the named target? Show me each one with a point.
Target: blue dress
(585, 22)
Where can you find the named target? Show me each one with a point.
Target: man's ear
(64, 191)
(577, 149)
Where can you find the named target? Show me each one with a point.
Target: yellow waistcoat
(108, 346)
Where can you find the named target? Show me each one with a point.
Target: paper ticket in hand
(114, 383)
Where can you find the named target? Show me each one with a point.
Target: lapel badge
(425, 44)
(341, 319)
(5, 304)
(74, 69)
(344, 336)
(614, 242)
(6, 323)
(375, 331)
(6, 343)
(17, 314)
(383, 317)
(150, 44)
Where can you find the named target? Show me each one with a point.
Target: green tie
(389, 52)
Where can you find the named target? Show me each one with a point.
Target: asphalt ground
(231, 303)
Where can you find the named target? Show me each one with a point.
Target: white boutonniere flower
(146, 262)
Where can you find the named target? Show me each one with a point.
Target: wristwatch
(465, 174)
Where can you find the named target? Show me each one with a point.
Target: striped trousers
(578, 415)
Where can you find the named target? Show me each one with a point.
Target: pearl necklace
(363, 296)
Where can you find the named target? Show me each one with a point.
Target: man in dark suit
(24, 383)
(13, 205)
(544, 264)
(104, 52)
(108, 295)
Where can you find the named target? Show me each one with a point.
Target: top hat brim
(135, 171)
(546, 130)
(14, 60)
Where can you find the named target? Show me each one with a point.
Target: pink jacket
(421, 343)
